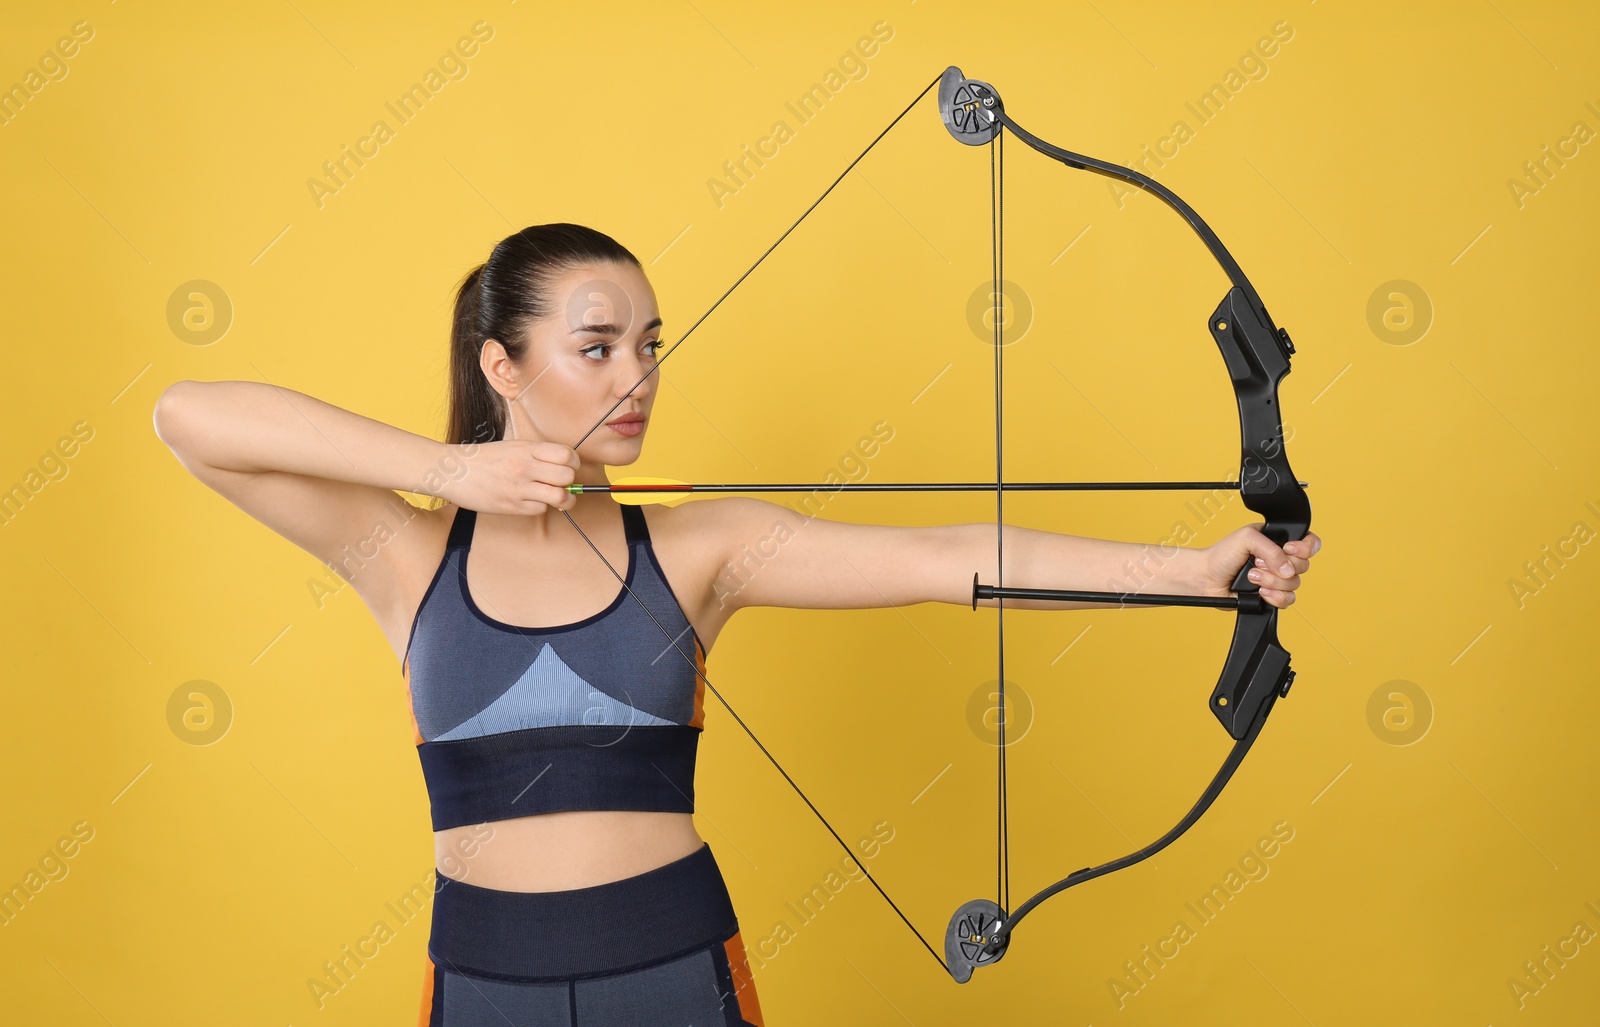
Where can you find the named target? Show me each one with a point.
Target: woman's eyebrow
(610, 329)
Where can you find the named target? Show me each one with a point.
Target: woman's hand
(1275, 570)
(511, 477)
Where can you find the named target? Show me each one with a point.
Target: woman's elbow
(167, 413)
(174, 411)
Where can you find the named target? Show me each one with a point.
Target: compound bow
(1256, 673)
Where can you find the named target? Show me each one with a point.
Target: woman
(556, 726)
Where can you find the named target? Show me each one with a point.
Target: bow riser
(1257, 356)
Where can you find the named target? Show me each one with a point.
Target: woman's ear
(498, 368)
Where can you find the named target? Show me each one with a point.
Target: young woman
(556, 725)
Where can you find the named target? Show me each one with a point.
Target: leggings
(660, 949)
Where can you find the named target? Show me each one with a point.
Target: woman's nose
(639, 378)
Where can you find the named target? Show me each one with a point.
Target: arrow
(642, 491)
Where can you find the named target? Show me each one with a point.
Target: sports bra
(599, 714)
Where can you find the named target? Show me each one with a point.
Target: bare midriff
(562, 851)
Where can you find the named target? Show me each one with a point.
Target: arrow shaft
(1121, 598)
(957, 486)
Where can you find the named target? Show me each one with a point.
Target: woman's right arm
(325, 479)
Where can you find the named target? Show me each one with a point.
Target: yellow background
(1377, 148)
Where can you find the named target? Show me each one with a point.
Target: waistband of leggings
(560, 935)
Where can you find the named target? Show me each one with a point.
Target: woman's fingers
(548, 470)
(1274, 597)
(1262, 576)
(546, 497)
(555, 453)
(1267, 553)
(1300, 552)
(1305, 548)
(1276, 571)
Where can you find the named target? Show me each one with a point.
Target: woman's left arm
(779, 557)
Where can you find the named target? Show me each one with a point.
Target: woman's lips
(628, 429)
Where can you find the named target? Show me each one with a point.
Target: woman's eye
(602, 350)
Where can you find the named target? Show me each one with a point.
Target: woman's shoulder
(715, 518)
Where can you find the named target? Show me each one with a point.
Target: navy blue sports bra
(598, 714)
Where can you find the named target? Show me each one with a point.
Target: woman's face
(585, 362)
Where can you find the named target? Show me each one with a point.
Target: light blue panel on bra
(549, 694)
